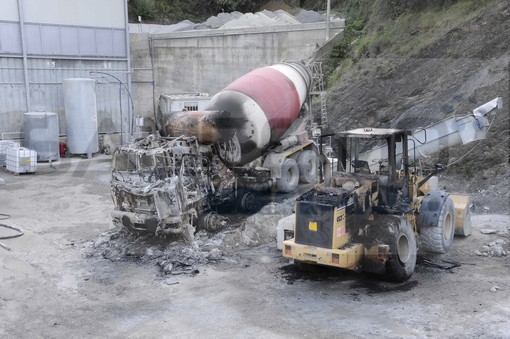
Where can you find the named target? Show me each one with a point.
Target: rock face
(430, 75)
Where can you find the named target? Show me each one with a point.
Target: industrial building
(44, 42)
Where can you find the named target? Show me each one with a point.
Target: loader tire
(402, 241)
(290, 176)
(308, 165)
(438, 238)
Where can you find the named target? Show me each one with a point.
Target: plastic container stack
(4, 145)
(21, 160)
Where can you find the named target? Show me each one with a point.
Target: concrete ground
(50, 287)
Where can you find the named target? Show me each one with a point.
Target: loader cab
(379, 154)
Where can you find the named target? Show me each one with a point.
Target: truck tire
(402, 241)
(247, 202)
(438, 238)
(290, 176)
(308, 165)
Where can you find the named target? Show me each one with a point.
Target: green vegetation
(173, 11)
(395, 28)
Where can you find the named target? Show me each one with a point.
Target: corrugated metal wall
(56, 52)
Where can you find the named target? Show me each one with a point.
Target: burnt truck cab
(372, 220)
(161, 185)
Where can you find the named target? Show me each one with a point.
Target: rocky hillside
(409, 66)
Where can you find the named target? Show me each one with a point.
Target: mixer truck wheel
(290, 176)
(247, 202)
(307, 165)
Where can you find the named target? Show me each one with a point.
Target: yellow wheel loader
(373, 216)
(376, 210)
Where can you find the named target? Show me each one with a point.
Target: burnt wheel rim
(403, 247)
(447, 230)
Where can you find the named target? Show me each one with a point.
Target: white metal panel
(87, 39)
(69, 41)
(119, 43)
(50, 40)
(10, 41)
(9, 10)
(99, 13)
(33, 39)
(104, 42)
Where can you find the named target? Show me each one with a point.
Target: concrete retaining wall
(207, 61)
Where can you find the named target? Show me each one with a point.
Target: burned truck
(252, 137)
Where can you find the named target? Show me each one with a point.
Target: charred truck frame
(252, 137)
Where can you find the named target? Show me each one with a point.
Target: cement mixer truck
(252, 137)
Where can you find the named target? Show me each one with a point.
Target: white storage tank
(41, 134)
(21, 160)
(81, 115)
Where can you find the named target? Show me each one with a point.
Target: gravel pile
(221, 19)
(236, 20)
(263, 18)
(309, 16)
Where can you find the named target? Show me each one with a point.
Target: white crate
(4, 145)
(21, 160)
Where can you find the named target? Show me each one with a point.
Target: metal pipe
(64, 69)
(151, 54)
(328, 18)
(128, 66)
(61, 57)
(24, 52)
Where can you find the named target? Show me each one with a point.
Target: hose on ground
(19, 234)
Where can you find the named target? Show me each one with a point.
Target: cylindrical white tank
(81, 115)
(41, 134)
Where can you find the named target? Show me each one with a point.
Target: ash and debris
(175, 256)
(497, 232)
(493, 249)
